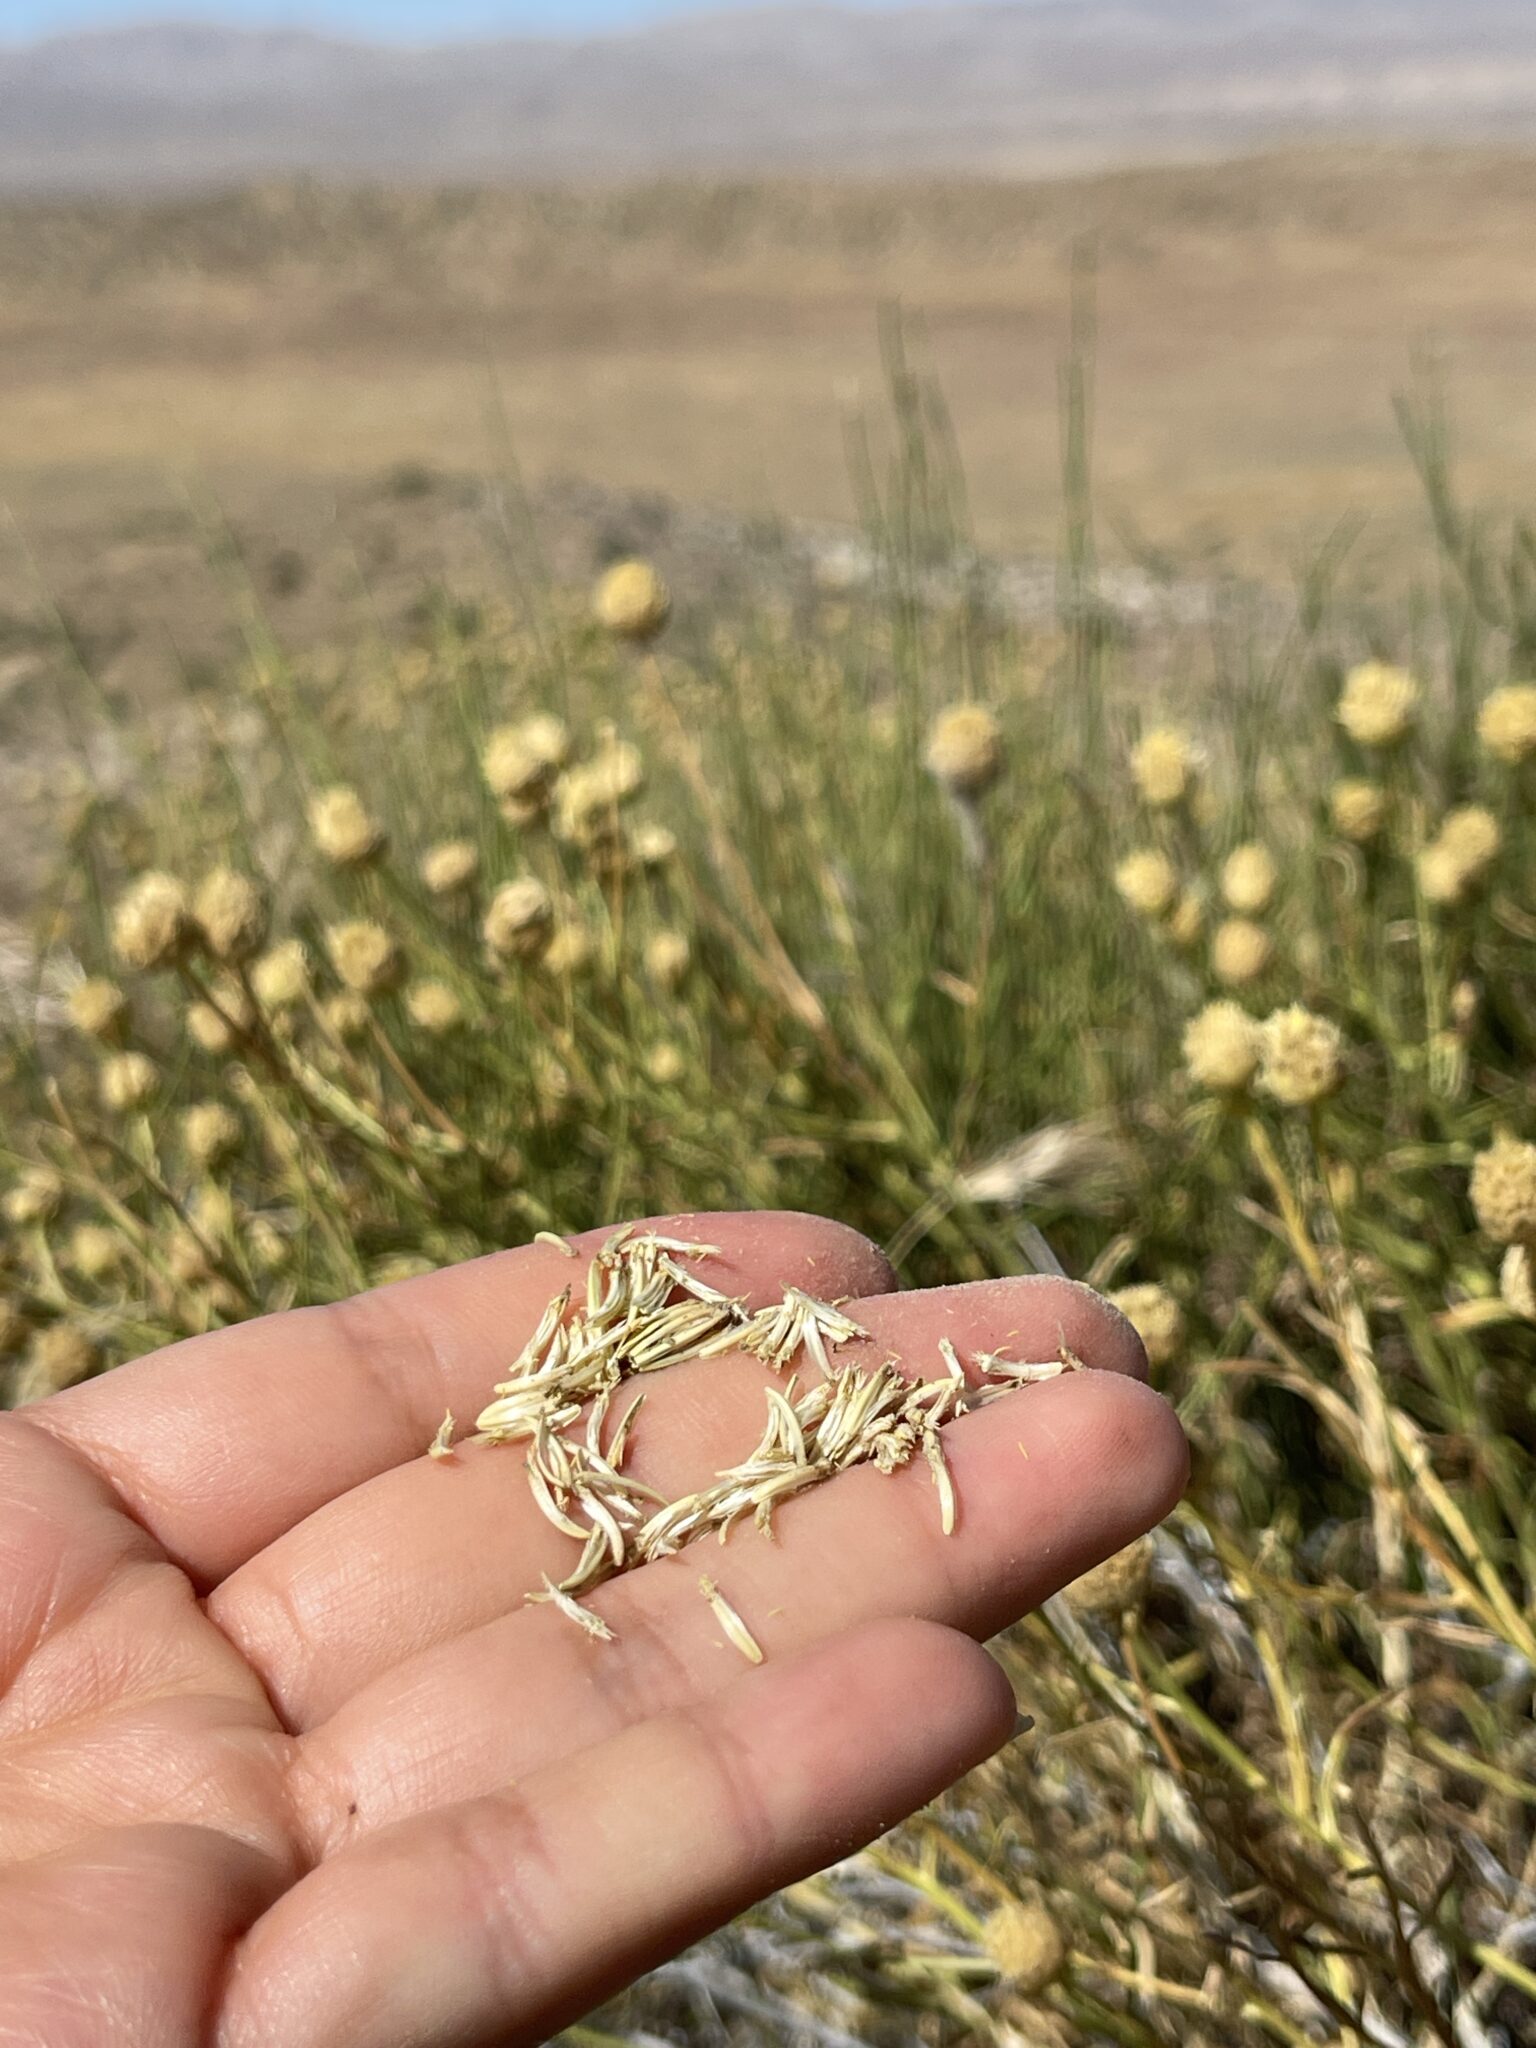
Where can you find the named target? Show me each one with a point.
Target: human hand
(286, 1762)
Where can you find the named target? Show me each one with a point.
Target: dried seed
(731, 1622)
(556, 1242)
(441, 1445)
(584, 1618)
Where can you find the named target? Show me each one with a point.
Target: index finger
(220, 1445)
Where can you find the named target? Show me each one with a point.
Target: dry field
(709, 340)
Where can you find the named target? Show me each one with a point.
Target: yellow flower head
(965, 750)
(1506, 725)
(1472, 835)
(1240, 951)
(346, 1015)
(94, 1251)
(632, 602)
(363, 954)
(433, 1007)
(210, 1131)
(232, 915)
(588, 797)
(1163, 767)
(1026, 1945)
(668, 956)
(1442, 877)
(281, 977)
(1503, 1190)
(568, 953)
(1358, 809)
(61, 1356)
(1378, 704)
(654, 846)
(519, 919)
(1302, 1058)
(152, 924)
(127, 1082)
(342, 828)
(98, 1009)
(1147, 882)
(1248, 879)
(449, 868)
(1222, 1048)
(521, 761)
(1156, 1318)
(665, 1064)
(35, 1197)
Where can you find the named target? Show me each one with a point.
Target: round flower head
(1163, 767)
(433, 1007)
(94, 1251)
(210, 1132)
(654, 846)
(668, 956)
(152, 924)
(363, 954)
(127, 1082)
(1378, 704)
(35, 1197)
(1147, 882)
(1503, 1190)
(281, 977)
(1240, 951)
(1116, 1587)
(632, 601)
(1506, 725)
(1302, 1057)
(519, 919)
(1472, 835)
(208, 1028)
(345, 1015)
(61, 1356)
(1248, 879)
(268, 1247)
(665, 1064)
(1156, 1318)
(98, 1009)
(1025, 1943)
(1442, 877)
(568, 953)
(343, 830)
(965, 750)
(1517, 1284)
(1221, 1048)
(519, 762)
(1358, 809)
(588, 797)
(231, 913)
(449, 868)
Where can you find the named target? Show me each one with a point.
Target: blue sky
(22, 19)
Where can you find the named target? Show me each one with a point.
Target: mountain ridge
(1006, 86)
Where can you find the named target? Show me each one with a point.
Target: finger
(221, 1444)
(500, 1921)
(124, 1939)
(430, 1550)
(1048, 1482)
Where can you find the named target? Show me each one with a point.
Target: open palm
(286, 1761)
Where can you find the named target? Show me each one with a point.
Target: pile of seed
(645, 1309)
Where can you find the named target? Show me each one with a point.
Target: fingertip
(941, 1677)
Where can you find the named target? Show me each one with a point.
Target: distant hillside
(983, 87)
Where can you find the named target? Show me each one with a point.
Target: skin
(284, 1757)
